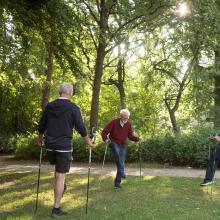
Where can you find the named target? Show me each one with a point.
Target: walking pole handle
(92, 135)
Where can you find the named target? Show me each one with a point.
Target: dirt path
(10, 164)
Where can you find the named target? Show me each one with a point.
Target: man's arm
(106, 131)
(80, 127)
(78, 122)
(42, 126)
(131, 135)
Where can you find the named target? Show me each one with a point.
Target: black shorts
(61, 160)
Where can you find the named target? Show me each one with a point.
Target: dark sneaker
(124, 176)
(206, 183)
(57, 212)
(65, 188)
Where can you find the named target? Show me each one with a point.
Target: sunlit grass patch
(147, 197)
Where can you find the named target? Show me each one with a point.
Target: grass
(149, 198)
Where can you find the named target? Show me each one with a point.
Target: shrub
(26, 146)
(190, 149)
(81, 151)
(7, 143)
(183, 149)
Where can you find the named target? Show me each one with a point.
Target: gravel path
(10, 164)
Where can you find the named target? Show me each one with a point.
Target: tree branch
(91, 12)
(93, 39)
(168, 73)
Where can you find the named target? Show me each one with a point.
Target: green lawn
(150, 198)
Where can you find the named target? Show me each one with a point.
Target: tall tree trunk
(172, 112)
(97, 85)
(121, 75)
(217, 91)
(103, 24)
(176, 128)
(48, 73)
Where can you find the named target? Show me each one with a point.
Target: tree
(105, 32)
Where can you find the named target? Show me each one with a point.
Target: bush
(7, 143)
(190, 149)
(183, 149)
(81, 151)
(26, 146)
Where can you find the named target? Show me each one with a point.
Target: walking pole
(103, 163)
(38, 180)
(213, 167)
(140, 160)
(92, 136)
(87, 198)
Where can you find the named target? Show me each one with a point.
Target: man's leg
(63, 160)
(123, 152)
(116, 151)
(121, 161)
(210, 171)
(211, 168)
(58, 189)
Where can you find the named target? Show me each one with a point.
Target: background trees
(160, 59)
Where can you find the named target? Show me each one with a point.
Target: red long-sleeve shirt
(119, 134)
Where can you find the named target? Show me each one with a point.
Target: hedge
(190, 149)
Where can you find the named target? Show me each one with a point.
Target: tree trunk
(103, 24)
(121, 75)
(217, 91)
(172, 112)
(97, 85)
(48, 73)
(173, 121)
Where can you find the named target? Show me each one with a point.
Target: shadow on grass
(141, 198)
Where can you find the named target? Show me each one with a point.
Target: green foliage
(7, 143)
(81, 151)
(183, 149)
(26, 146)
(155, 46)
(190, 149)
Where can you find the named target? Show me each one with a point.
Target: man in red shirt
(116, 134)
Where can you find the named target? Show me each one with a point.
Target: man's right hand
(91, 144)
(214, 138)
(89, 141)
(40, 140)
(107, 141)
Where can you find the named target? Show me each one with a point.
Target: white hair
(125, 111)
(66, 88)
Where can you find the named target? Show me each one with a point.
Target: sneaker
(206, 183)
(124, 176)
(57, 212)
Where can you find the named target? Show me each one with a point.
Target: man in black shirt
(58, 120)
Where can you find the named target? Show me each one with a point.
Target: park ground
(160, 193)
